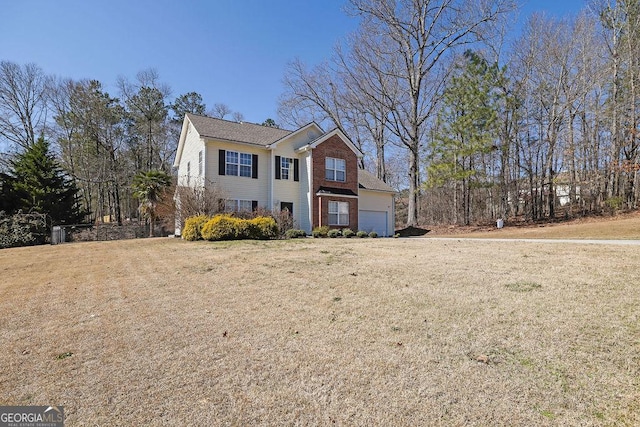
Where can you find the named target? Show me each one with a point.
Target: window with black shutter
(234, 163)
(222, 161)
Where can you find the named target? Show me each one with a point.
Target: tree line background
(469, 122)
(111, 155)
(476, 123)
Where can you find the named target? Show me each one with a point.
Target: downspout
(393, 215)
(311, 193)
(271, 178)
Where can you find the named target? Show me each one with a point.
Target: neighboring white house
(312, 173)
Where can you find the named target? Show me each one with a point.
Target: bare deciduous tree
(411, 39)
(193, 201)
(219, 111)
(391, 73)
(23, 100)
(238, 117)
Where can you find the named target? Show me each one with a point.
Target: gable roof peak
(327, 135)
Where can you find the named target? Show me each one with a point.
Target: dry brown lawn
(323, 332)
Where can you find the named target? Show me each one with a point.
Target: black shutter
(254, 166)
(254, 205)
(296, 173)
(278, 167)
(222, 162)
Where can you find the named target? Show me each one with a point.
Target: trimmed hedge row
(227, 227)
(193, 227)
(325, 231)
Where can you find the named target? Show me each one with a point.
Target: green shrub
(263, 227)
(320, 231)
(227, 227)
(293, 233)
(362, 234)
(245, 229)
(193, 227)
(333, 233)
(347, 232)
(22, 229)
(615, 203)
(221, 227)
(373, 234)
(284, 220)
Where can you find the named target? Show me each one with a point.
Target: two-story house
(311, 173)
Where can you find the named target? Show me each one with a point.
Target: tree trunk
(414, 187)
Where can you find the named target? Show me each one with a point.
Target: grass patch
(523, 286)
(64, 355)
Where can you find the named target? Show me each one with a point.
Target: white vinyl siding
(192, 146)
(234, 187)
(291, 190)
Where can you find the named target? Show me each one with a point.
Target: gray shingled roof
(369, 181)
(249, 133)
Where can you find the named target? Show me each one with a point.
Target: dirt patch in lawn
(323, 331)
(624, 226)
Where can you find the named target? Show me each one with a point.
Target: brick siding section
(336, 148)
(353, 211)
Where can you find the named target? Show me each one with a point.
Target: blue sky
(230, 51)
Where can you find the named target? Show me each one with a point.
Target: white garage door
(373, 221)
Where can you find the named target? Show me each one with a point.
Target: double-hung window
(285, 166)
(238, 164)
(235, 163)
(335, 169)
(338, 213)
(235, 205)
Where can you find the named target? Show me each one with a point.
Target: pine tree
(41, 185)
(8, 197)
(466, 130)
